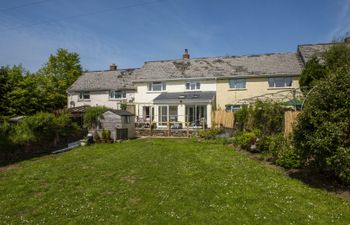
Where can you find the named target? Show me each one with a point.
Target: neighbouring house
(245, 79)
(110, 88)
(121, 123)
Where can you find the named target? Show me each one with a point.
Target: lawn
(159, 181)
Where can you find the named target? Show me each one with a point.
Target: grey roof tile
(308, 51)
(104, 80)
(220, 67)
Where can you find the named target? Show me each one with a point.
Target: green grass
(160, 181)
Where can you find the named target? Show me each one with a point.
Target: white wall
(142, 94)
(99, 98)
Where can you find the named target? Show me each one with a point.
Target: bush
(209, 133)
(266, 116)
(244, 140)
(103, 136)
(97, 138)
(44, 129)
(108, 136)
(282, 151)
(340, 162)
(91, 116)
(322, 134)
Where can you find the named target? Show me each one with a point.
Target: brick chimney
(347, 40)
(186, 56)
(113, 67)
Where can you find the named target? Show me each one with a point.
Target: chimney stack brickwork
(186, 56)
(113, 67)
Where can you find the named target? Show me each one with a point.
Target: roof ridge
(227, 56)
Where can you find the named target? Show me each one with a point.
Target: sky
(130, 32)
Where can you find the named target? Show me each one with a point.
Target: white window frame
(192, 85)
(84, 96)
(151, 86)
(112, 94)
(233, 83)
(233, 108)
(287, 80)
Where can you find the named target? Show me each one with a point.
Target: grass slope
(158, 181)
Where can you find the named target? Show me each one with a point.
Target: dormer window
(157, 86)
(117, 94)
(193, 85)
(84, 96)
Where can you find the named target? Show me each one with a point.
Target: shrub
(104, 136)
(97, 138)
(340, 162)
(266, 116)
(322, 134)
(244, 140)
(91, 116)
(209, 133)
(44, 129)
(108, 136)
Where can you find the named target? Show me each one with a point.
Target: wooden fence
(227, 120)
(290, 119)
(223, 119)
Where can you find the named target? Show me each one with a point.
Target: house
(245, 79)
(175, 91)
(119, 122)
(183, 92)
(108, 88)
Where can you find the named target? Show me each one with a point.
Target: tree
(322, 135)
(313, 72)
(9, 80)
(61, 70)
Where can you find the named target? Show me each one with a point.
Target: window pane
(288, 81)
(124, 94)
(193, 85)
(173, 113)
(156, 86)
(271, 82)
(280, 82)
(187, 86)
(237, 83)
(86, 95)
(164, 86)
(198, 85)
(111, 94)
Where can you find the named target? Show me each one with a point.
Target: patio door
(162, 115)
(196, 115)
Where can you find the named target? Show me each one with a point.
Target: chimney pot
(113, 67)
(186, 56)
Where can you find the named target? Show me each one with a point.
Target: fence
(290, 119)
(223, 119)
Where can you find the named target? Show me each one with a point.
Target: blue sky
(129, 32)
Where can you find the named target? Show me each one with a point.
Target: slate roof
(104, 80)
(198, 96)
(121, 112)
(307, 51)
(221, 67)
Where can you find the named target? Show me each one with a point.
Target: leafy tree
(9, 79)
(312, 73)
(323, 129)
(61, 70)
